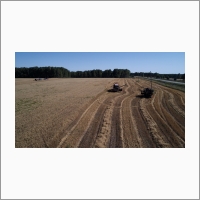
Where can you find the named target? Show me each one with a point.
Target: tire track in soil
(166, 116)
(104, 134)
(144, 133)
(157, 103)
(174, 105)
(165, 130)
(131, 137)
(142, 123)
(146, 140)
(76, 128)
(153, 127)
(152, 136)
(98, 131)
(170, 120)
(169, 107)
(95, 126)
(116, 139)
(176, 99)
(167, 126)
(179, 102)
(170, 138)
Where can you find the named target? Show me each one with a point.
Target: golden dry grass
(44, 109)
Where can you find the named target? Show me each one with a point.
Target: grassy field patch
(26, 104)
(171, 85)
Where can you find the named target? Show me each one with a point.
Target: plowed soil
(82, 113)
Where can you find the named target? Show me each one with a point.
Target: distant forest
(61, 72)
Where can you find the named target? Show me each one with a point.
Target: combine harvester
(40, 79)
(147, 92)
(116, 88)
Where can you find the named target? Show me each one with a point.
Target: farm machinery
(116, 88)
(147, 92)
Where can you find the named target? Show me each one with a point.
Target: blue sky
(160, 62)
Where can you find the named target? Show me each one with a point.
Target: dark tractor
(147, 92)
(116, 88)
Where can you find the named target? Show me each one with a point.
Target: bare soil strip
(74, 134)
(104, 134)
(166, 116)
(141, 123)
(178, 118)
(83, 131)
(95, 126)
(130, 132)
(116, 139)
(165, 130)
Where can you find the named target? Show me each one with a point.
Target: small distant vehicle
(147, 92)
(39, 79)
(116, 88)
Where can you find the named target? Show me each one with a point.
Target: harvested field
(82, 113)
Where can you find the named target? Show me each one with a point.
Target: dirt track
(126, 119)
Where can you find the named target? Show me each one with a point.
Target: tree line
(45, 72)
(60, 72)
(97, 73)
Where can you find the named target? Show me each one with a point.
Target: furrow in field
(178, 128)
(131, 137)
(151, 138)
(86, 128)
(171, 132)
(171, 108)
(165, 115)
(98, 127)
(174, 105)
(179, 102)
(98, 131)
(104, 133)
(77, 128)
(157, 103)
(153, 128)
(166, 132)
(142, 128)
(168, 105)
(116, 139)
(144, 124)
(177, 99)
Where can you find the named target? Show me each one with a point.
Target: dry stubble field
(81, 113)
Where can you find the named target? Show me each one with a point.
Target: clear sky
(160, 62)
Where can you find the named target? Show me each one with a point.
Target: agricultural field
(81, 113)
